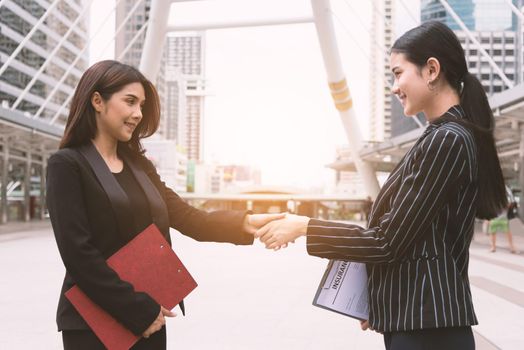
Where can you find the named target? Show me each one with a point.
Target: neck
(444, 99)
(106, 147)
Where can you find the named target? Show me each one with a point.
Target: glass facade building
(43, 54)
(499, 32)
(477, 15)
(44, 95)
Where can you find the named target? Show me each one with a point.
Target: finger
(267, 236)
(274, 244)
(270, 242)
(267, 218)
(278, 216)
(280, 246)
(167, 312)
(263, 230)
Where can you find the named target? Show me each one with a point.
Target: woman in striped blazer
(421, 224)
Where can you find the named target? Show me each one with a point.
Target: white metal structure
(32, 120)
(150, 62)
(39, 42)
(473, 39)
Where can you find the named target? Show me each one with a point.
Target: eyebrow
(393, 69)
(134, 96)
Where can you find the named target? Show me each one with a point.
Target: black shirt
(140, 212)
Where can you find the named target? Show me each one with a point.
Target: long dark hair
(435, 39)
(106, 78)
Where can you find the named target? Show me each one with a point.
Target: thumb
(262, 231)
(167, 312)
(273, 217)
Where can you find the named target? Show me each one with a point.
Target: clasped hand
(277, 230)
(159, 322)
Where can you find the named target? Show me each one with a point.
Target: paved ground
(248, 297)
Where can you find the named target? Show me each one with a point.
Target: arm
(83, 261)
(439, 166)
(218, 226)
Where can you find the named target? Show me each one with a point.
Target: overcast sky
(269, 104)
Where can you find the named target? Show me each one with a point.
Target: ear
(97, 102)
(433, 68)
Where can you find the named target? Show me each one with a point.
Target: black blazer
(91, 218)
(417, 244)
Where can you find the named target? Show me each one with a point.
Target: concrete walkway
(248, 297)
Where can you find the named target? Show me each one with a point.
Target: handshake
(276, 230)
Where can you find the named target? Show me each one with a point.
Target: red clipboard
(151, 266)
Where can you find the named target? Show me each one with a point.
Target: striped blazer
(416, 246)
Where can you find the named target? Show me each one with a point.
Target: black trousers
(453, 338)
(87, 340)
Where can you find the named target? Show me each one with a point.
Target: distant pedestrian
(501, 224)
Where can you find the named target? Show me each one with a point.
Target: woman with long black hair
(422, 221)
(102, 191)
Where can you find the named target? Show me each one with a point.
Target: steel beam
(238, 24)
(340, 92)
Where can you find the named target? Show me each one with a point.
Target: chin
(125, 138)
(409, 112)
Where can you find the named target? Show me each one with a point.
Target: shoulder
(460, 131)
(449, 135)
(63, 165)
(69, 160)
(144, 162)
(65, 155)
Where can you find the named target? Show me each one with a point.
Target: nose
(394, 88)
(138, 113)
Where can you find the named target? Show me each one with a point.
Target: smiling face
(410, 84)
(118, 117)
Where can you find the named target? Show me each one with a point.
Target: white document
(344, 289)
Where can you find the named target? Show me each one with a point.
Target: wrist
(305, 224)
(302, 224)
(245, 223)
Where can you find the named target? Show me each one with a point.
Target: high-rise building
(174, 127)
(136, 14)
(433, 10)
(185, 69)
(495, 27)
(477, 15)
(136, 19)
(17, 19)
(382, 34)
(180, 81)
(499, 32)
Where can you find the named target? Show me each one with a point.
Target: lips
(132, 126)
